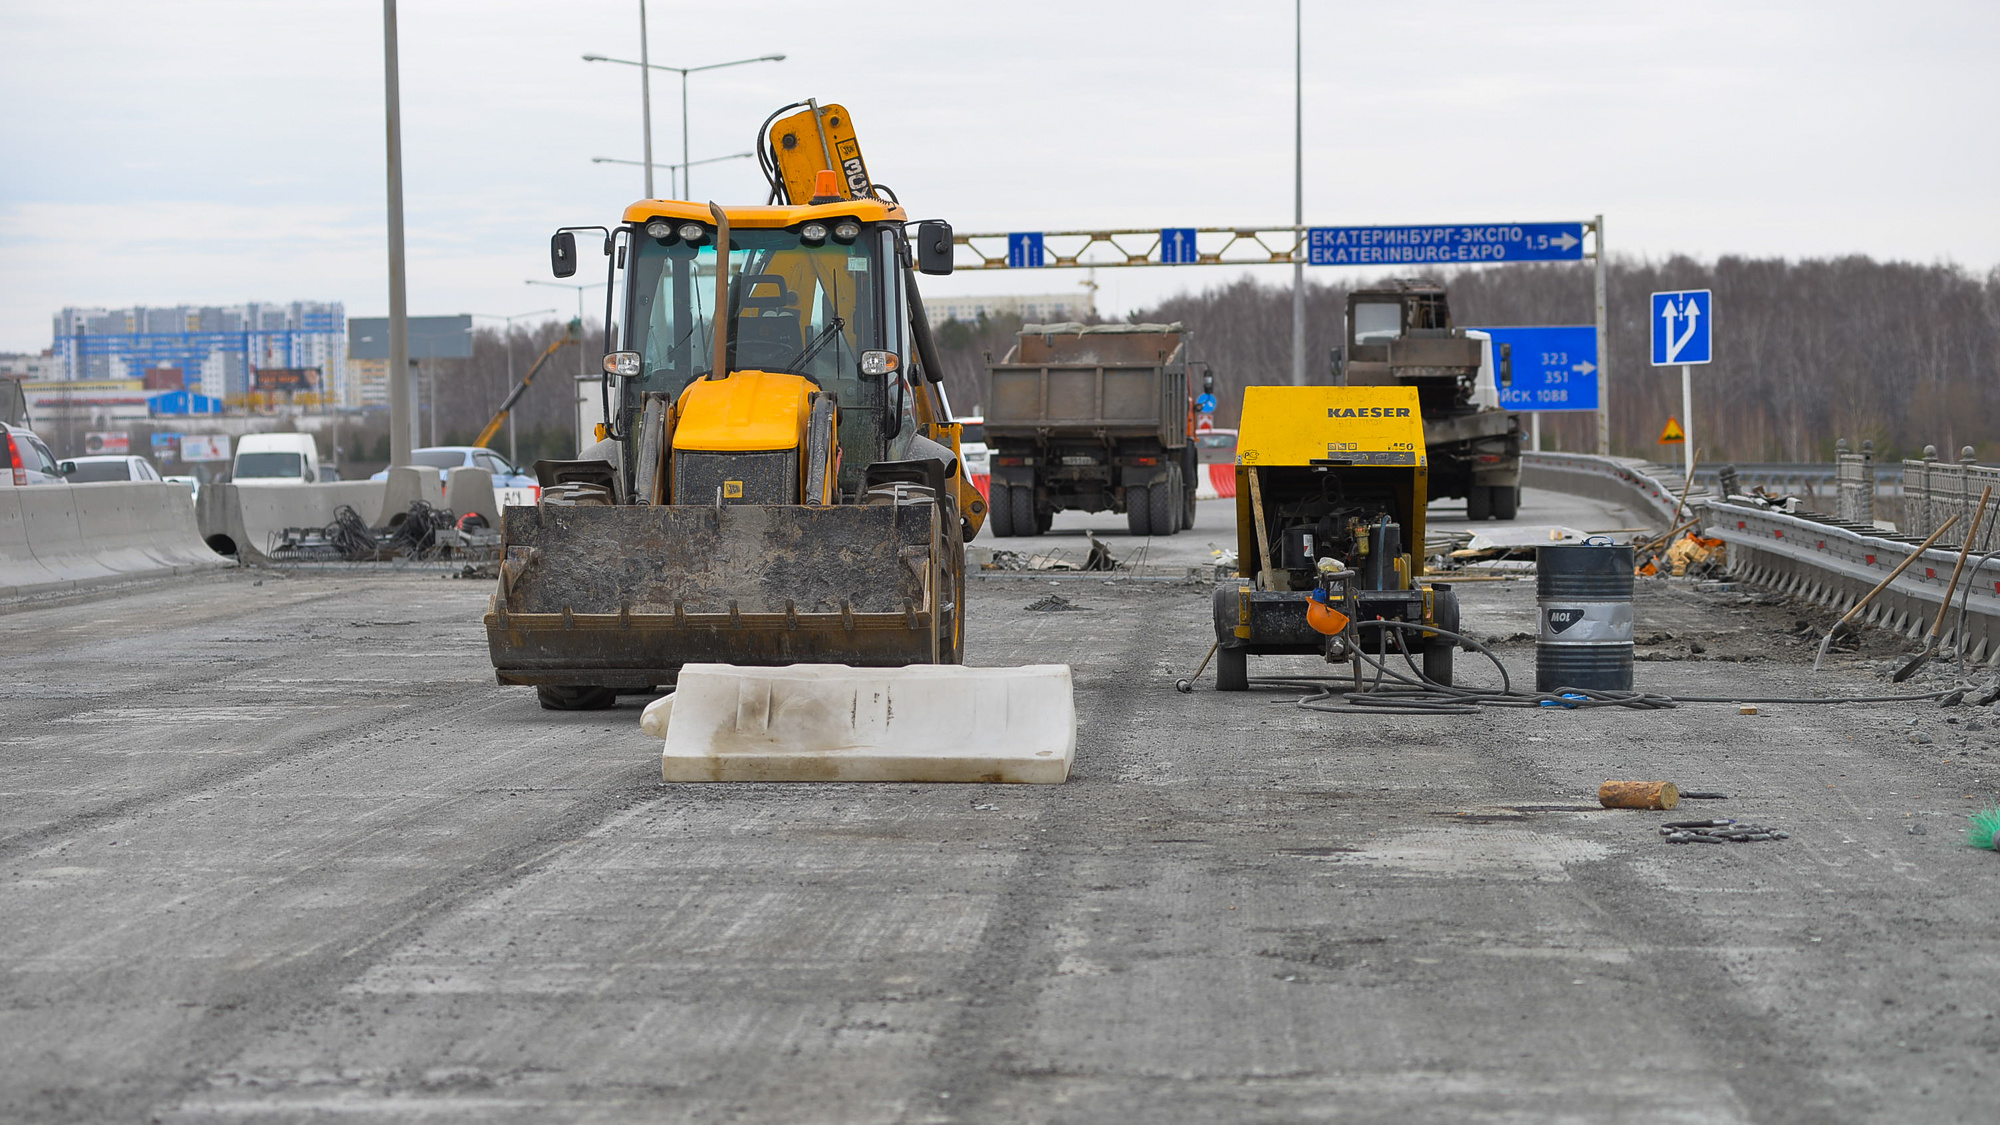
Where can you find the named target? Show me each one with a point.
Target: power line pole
(402, 430)
(1298, 192)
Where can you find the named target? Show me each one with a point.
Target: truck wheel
(1437, 661)
(1478, 503)
(1506, 502)
(1164, 507)
(1000, 510)
(1188, 492)
(1023, 502)
(1138, 510)
(1232, 669)
(576, 698)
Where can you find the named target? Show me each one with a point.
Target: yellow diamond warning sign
(1673, 434)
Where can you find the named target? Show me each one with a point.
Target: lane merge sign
(1024, 250)
(1554, 367)
(1683, 327)
(1456, 243)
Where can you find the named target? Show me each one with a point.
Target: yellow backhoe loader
(777, 483)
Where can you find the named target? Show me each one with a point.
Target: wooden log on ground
(1638, 795)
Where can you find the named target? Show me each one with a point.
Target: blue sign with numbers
(1682, 324)
(1177, 246)
(1024, 250)
(1553, 367)
(1447, 244)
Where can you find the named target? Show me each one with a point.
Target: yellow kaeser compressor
(1330, 490)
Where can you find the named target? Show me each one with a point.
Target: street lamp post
(672, 168)
(513, 455)
(646, 64)
(582, 365)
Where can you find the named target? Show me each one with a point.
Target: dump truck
(1092, 418)
(777, 478)
(1331, 484)
(1400, 334)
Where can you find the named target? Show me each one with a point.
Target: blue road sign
(1177, 246)
(1024, 250)
(1683, 322)
(1553, 367)
(1205, 404)
(1468, 243)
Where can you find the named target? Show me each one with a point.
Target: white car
(25, 459)
(90, 470)
(972, 446)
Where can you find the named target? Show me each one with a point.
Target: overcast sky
(220, 151)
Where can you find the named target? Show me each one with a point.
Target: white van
(276, 459)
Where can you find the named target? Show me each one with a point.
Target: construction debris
(1718, 831)
(1053, 603)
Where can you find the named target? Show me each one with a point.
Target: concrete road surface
(275, 848)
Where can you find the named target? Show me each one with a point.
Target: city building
(27, 365)
(1032, 308)
(214, 350)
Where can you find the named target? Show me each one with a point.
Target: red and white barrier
(1216, 482)
(984, 483)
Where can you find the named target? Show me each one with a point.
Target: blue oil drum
(1583, 594)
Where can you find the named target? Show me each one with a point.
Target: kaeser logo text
(1368, 412)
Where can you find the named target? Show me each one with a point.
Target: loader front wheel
(555, 698)
(1232, 669)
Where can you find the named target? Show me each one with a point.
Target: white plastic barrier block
(831, 722)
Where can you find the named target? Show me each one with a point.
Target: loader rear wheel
(1165, 513)
(576, 698)
(1232, 669)
(1478, 503)
(1506, 502)
(1023, 501)
(1437, 661)
(1139, 510)
(1000, 510)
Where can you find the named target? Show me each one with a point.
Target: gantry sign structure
(1382, 247)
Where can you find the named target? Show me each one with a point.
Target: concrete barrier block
(468, 489)
(20, 570)
(242, 519)
(49, 513)
(408, 484)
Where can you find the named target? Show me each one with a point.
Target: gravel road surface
(273, 847)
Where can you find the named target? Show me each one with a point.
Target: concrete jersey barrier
(61, 537)
(240, 520)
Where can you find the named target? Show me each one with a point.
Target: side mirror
(1338, 358)
(65, 468)
(934, 252)
(892, 405)
(1506, 365)
(562, 254)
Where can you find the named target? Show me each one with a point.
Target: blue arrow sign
(1024, 250)
(1471, 242)
(1205, 404)
(1682, 324)
(1553, 367)
(1177, 246)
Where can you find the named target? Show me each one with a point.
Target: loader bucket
(623, 596)
(830, 722)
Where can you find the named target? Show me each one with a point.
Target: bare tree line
(1903, 354)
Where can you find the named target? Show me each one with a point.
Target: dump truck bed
(1119, 380)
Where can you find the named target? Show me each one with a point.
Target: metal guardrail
(1822, 559)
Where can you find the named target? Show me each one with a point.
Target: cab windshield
(806, 307)
(1377, 322)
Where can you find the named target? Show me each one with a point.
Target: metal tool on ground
(1400, 334)
(783, 475)
(1330, 503)
(1871, 595)
(1951, 588)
